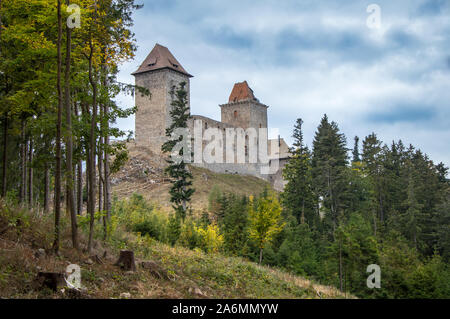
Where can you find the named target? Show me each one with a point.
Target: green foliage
(211, 240)
(181, 191)
(264, 220)
(298, 197)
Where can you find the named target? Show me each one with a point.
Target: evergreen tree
(298, 197)
(329, 164)
(356, 157)
(180, 192)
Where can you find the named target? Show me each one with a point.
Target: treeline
(386, 205)
(58, 67)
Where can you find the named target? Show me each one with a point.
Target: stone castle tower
(159, 72)
(243, 108)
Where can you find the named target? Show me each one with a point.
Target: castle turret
(159, 72)
(243, 109)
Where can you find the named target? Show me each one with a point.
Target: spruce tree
(181, 190)
(356, 157)
(329, 164)
(298, 197)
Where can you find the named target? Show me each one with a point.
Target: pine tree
(329, 164)
(298, 197)
(180, 192)
(356, 157)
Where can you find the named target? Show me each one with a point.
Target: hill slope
(144, 174)
(176, 272)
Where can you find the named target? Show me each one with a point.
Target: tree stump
(126, 260)
(52, 280)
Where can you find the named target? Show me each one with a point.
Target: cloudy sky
(306, 58)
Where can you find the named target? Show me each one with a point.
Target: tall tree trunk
(5, 156)
(79, 172)
(92, 166)
(46, 187)
(100, 170)
(58, 137)
(79, 187)
(23, 163)
(69, 141)
(340, 265)
(107, 181)
(30, 174)
(260, 255)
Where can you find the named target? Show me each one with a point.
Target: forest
(343, 208)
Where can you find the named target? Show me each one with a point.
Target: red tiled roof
(241, 91)
(160, 58)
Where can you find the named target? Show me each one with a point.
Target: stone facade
(159, 73)
(153, 115)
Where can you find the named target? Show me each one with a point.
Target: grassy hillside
(180, 272)
(143, 174)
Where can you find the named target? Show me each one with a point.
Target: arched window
(235, 114)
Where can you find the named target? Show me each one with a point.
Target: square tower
(243, 109)
(159, 72)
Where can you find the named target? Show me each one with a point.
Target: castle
(159, 73)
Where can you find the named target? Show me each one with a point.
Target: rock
(89, 261)
(197, 291)
(40, 253)
(125, 295)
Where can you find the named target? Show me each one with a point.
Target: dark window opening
(235, 114)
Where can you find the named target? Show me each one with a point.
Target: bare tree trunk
(58, 137)
(100, 175)
(107, 181)
(69, 142)
(30, 174)
(5, 156)
(92, 166)
(80, 187)
(260, 255)
(79, 175)
(22, 164)
(46, 187)
(340, 265)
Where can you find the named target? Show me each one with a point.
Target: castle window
(260, 125)
(246, 150)
(206, 126)
(235, 114)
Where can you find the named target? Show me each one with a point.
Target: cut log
(126, 260)
(52, 280)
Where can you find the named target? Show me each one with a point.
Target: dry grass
(188, 271)
(204, 180)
